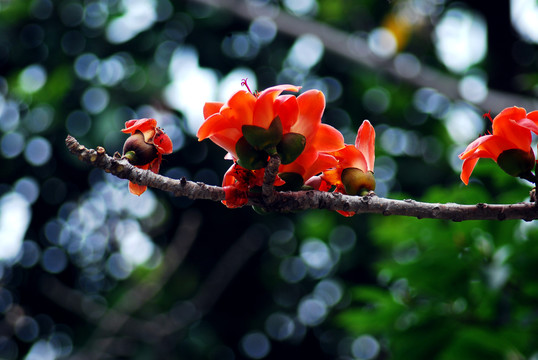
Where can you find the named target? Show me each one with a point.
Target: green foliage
(449, 290)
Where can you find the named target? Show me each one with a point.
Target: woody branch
(303, 200)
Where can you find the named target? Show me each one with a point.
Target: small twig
(303, 200)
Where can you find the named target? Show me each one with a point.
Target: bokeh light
(15, 215)
(365, 347)
(256, 345)
(461, 39)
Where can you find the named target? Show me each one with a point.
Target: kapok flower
(145, 147)
(252, 127)
(353, 174)
(509, 144)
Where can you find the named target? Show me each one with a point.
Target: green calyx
(516, 162)
(249, 157)
(290, 147)
(358, 182)
(294, 181)
(257, 143)
(264, 139)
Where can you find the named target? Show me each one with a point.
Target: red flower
(145, 147)
(353, 174)
(252, 127)
(509, 144)
(359, 156)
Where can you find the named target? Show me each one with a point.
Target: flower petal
(327, 139)
(467, 168)
(139, 124)
(145, 126)
(322, 163)
(136, 189)
(239, 109)
(212, 125)
(365, 143)
(264, 109)
(155, 165)
(350, 156)
(211, 108)
(162, 142)
(311, 106)
(288, 110)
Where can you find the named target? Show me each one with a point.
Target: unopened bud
(137, 151)
(516, 162)
(357, 182)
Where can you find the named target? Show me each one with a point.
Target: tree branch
(303, 200)
(355, 49)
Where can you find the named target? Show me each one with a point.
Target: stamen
(488, 115)
(244, 83)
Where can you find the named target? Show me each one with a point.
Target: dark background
(88, 270)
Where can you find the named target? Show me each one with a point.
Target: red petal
(311, 106)
(156, 164)
(211, 108)
(239, 109)
(136, 189)
(288, 110)
(324, 162)
(350, 156)
(365, 143)
(264, 111)
(467, 169)
(327, 139)
(162, 142)
(139, 124)
(212, 125)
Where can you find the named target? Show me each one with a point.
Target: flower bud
(137, 151)
(357, 182)
(516, 162)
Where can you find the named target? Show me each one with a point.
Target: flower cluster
(145, 147)
(509, 144)
(254, 127)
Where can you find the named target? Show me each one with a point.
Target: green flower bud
(290, 147)
(137, 151)
(516, 162)
(248, 156)
(357, 182)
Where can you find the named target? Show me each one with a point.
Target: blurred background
(89, 271)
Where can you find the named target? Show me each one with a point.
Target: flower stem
(271, 171)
